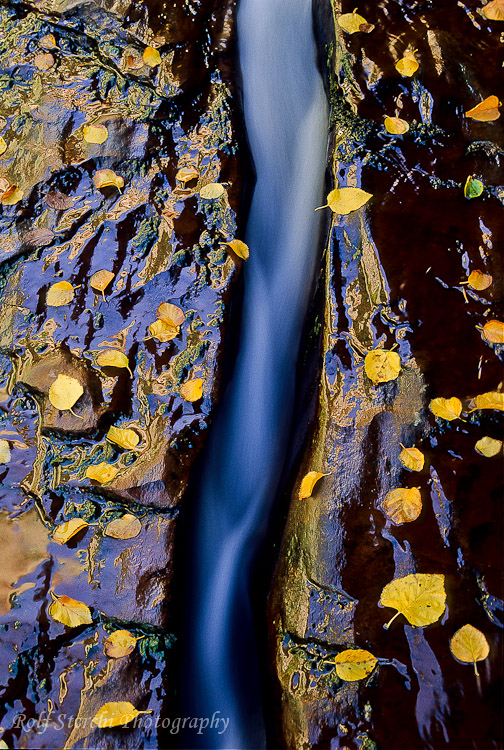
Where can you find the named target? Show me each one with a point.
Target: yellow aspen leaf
(124, 438)
(351, 22)
(212, 190)
(113, 358)
(70, 612)
(171, 314)
(488, 446)
(494, 10)
(308, 482)
(407, 65)
(65, 531)
(239, 248)
(396, 126)
(493, 331)
(126, 527)
(95, 134)
(186, 174)
(420, 597)
(48, 41)
(3, 146)
(151, 57)
(120, 643)
(345, 200)
(479, 280)
(100, 280)
(473, 188)
(116, 714)
(469, 645)
(403, 505)
(411, 458)
(446, 408)
(107, 178)
(485, 111)
(65, 392)
(354, 664)
(60, 293)
(12, 195)
(163, 332)
(44, 61)
(382, 365)
(5, 454)
(192, 390)
(102, 472)
(3, 745)
(491, 400)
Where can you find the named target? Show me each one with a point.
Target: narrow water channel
(286, 119)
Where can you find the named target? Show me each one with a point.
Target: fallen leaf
(351, 22)
(95, 134)
(473, 187)
(12, 195)
(107, 178)
(382, 365)
(491, 400)
(151, 57)
(70, 612)
(126, 527)
(239, 248)
(3, 146)
(494, 10)
(113, 358)
(65, 531)
(488, 446)
(44, 61)
(420, 597)
(354, 664)
(47, 41)
(446, 408)
(39, 237)
(212, 190)
(407, 65)
(60, 293)
(479, 280)
(65, 392)
(170, 314)
(116, 714)
(3, 745)
(192, 390)
(396, 126)
(163, 332)
(345, 200)
(469, 645)
(411, 458)
(58, 200)
(485, 111)
(124, 438)
(185, 174)
(493, 331)
(100, 280)
(102, 472)
(134, 62)
(120, 643)
(308, 482)
(5, 454)
(403, 505)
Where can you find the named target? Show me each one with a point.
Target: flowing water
(286, 119)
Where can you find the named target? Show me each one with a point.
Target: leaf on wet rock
(126, 527)
(65, 531)
(345, 200)
(446, 408)
(192, 390)
(407, 65)
(403, 505)
(48, 41)
(212, 190)
(473, 188)
(107, 178)
(488, 446)
(396, 126)
(382, 365)
(39, 237)
(170, 314)
(60, 201)
(113, 358)
(12, 195)
(239, 248)
(494, 10)
(420, 597)
(44, 61)
(65, 392)
(116, 714)
(5, 454)
(493, 331)
(69, 612)
(485, 111)
(479, 280)
(95, 134)
(102, 472)
(185, 174)
(469, 645)
(352, 22)
(308, 482)
(100, 280)
(354, 664)
(161, 331)
(151, 57)
(411, 458)
(120, 643)
(124, 438)
(490, 400)
(60, 293)
(3, 146)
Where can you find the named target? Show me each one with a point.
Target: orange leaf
(485, 111)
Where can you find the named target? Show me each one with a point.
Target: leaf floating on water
(479, 280)
(107, 178)
(473, 188)
(493, 331)
(70, 612)
(48, 41)
(345, 200)
(116, 714)
(12, 195)
(100, 280)
(469, 645)
(185, 174)
(420, 597)
(65, 531)
(446, 408)
(412, 458)
(102, 472)
(39, 237)
(403, 505)
(351, 22)
(3, 146)
(161, 331)
(113, 358)
(60, 201)
(212, 190)
(124, 438)
(44, 61)
(120, 643)
(95, 134)
(239, 248)
(5, 454)
(65, 392)
(491, 400)
(407, 65)
(192, 390)
(488, 446)
(494, 10)
(485, 111)
(354, 664)
(170, 314)
(60, 293)
(308, 483)
(151, 57)
(126, 527)
(396, 126)
(382, 365)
